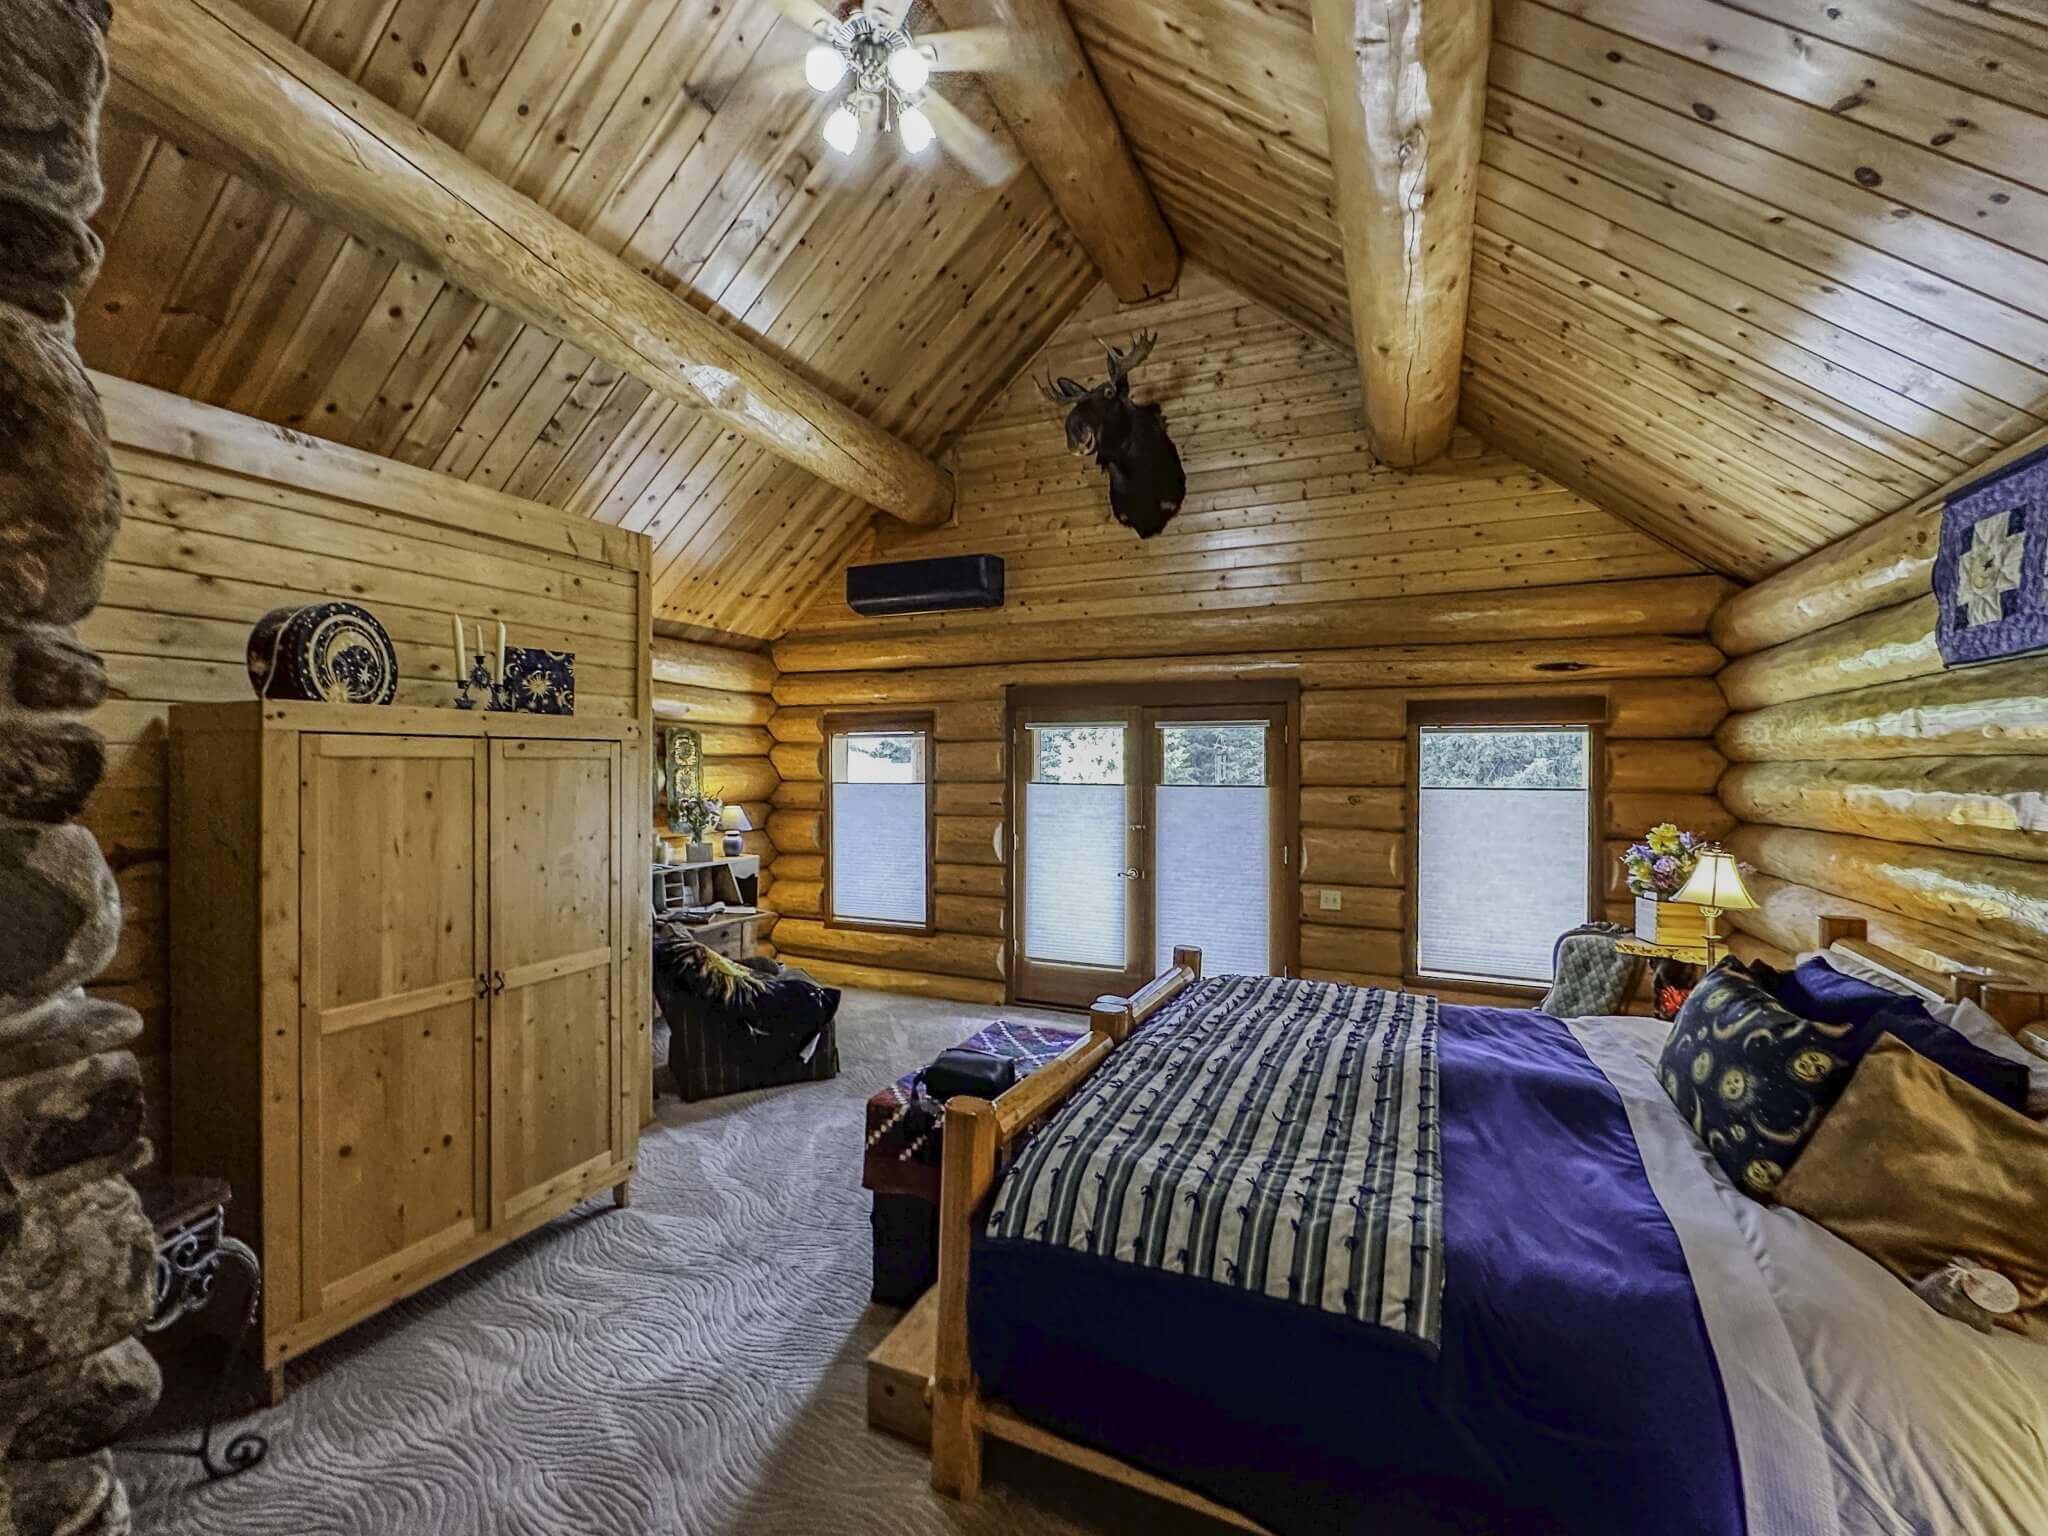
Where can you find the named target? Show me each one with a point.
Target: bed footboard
(978, 1133)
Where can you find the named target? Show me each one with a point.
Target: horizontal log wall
(1662, 706)
(1870, 781)
(227, 518)
(723, 695)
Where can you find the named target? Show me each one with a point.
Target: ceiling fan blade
(808, 14)
(988, 159)
(889, 14)
(970, 50)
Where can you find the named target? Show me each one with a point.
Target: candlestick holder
(494, 693)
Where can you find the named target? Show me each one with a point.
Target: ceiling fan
(866, 50)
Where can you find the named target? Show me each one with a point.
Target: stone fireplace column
(76, 1253)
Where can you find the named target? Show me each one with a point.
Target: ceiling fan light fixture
(842, 130)
(916, 129)
(824, 67)
(909, 69)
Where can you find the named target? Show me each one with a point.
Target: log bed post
(977, 1133)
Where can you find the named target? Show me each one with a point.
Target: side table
(192, 1242)
(1674, 971)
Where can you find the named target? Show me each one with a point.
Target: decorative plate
(328, 653)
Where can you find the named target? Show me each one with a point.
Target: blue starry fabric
(1272, 1135)
(1753, 1078)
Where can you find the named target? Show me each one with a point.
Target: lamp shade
(734, 818)
(1716, 881)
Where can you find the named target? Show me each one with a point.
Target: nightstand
(1674, 972)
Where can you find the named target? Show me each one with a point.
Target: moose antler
(1062, 392)
(1121, 363)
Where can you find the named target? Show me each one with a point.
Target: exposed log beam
(1404, 91)
(1982, 804)
(1664, 605)
(207, 69)
(1976, 712)
(1047, 93)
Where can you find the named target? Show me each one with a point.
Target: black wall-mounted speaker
(926, 586)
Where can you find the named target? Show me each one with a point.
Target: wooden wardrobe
(408, 949)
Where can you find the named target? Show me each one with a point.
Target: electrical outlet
(1333, 901)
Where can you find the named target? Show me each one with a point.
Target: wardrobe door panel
(392, 960)
(556, 921)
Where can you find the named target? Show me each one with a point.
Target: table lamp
(1715, 886)
(734, 819)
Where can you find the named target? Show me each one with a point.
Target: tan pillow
(1914, 1166)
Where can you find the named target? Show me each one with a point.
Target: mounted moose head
(1146, 483)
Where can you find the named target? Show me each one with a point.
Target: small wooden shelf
(1691, 954)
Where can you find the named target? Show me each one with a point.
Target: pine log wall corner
(723, 694)
(1869, 781)
(1296, 556)
(226, 518)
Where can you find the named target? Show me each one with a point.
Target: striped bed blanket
(1273, 1135)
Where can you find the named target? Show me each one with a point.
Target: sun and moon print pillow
(1751, 1077)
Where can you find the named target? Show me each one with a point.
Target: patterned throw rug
(693, 1365)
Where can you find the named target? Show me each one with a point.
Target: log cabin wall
(723, 693)
(1869, 781)
(1295, 557)
(227, 518)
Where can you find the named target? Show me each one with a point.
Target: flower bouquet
(1657, 868)
(695, 815)
(1660, 864)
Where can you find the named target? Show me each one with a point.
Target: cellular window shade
(1503, 850)
(1214, 846)
(879, 864)
(1076, 909)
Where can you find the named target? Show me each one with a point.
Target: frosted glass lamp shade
(824, 67)
(910, 69)
(1716, 881)
(916, 129)
(842, 130)
(734, 818)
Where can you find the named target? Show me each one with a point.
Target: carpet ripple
(695, 1364)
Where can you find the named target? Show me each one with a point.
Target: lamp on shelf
(735, 821)
(1715, 886)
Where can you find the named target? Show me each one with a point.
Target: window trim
(1583, 712)
(866, 722)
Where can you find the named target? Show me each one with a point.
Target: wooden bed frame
(924, 1367)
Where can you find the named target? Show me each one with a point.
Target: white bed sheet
(1858, 1409)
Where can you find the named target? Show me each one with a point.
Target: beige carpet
(691, 1365)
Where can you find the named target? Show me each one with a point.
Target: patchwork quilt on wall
(1991, 575)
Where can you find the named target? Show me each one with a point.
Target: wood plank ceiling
(1751, 276)
(677, 132)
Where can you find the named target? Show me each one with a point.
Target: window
(1504, 847)
(1076, 904)
(879, 824)
(1213, 846)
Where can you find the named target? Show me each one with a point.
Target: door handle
(483, 984)
(497, 981)
(1127, 874)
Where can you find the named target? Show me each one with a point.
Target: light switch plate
(1333, 901)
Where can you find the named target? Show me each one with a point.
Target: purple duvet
(1575, 1389)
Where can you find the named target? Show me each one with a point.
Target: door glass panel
(1076, 831)
(1214, 846)
(878, 826)
(1503, 849)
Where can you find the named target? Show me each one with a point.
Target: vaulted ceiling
(1749, 276)
(676, 132)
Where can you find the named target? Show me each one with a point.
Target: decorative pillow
(1592, 976)
(1751, 1077)
(1987, 1034)
(1816, 990)
(1915, 1170)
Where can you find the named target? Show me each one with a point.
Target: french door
(1140, 827)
